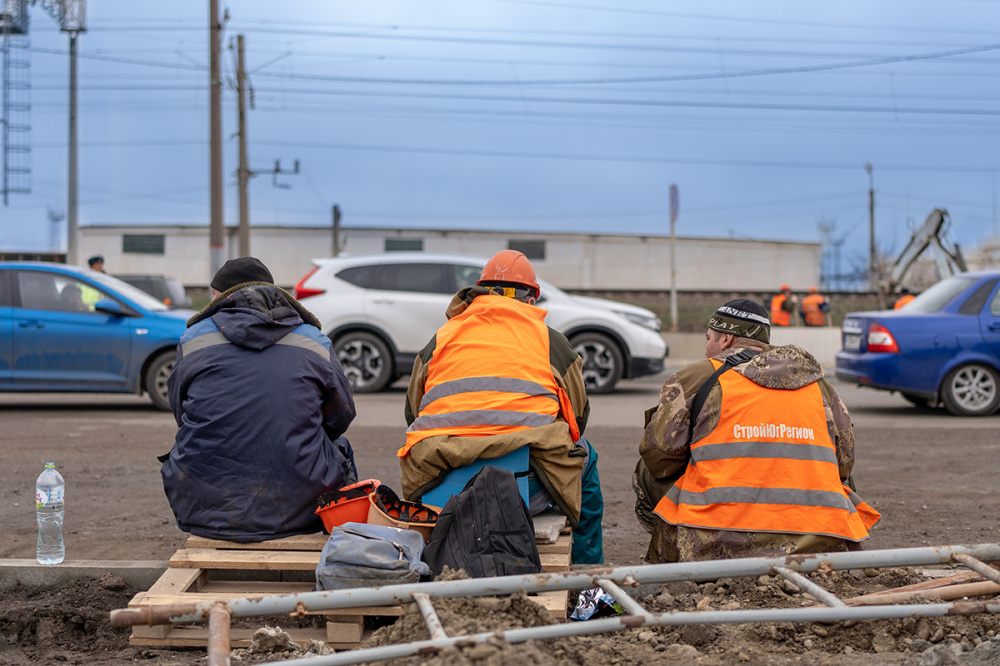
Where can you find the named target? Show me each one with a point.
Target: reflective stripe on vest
(768, 466)
(490, 375)
(810, 309)
(778, 316)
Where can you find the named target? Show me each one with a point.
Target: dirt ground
(933, 477)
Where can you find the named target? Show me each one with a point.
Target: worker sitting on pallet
(261, 406)
(494, 379)
(749, 453)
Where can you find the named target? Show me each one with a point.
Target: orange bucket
(347, 505)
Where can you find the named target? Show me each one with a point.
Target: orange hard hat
(510, 266)
(813, 290)
(785, 287)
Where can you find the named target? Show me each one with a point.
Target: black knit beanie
(742, 318)
(238, 271)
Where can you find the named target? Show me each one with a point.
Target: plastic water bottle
(49, 509)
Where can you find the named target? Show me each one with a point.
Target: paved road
(932, 475)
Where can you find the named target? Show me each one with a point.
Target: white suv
(380, 310)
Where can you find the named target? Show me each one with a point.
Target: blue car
(64, 328)
(942, 347)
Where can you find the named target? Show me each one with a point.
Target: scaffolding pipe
(812, 588)
(981, 568)
(574, 580)
(630, 605)
(814, 614)
(430, 616)
(218, 636)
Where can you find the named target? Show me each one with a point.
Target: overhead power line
(771, 71)
(593, 157)
(736, 19)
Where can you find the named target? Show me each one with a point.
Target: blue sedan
(70, 329)
(942, 347)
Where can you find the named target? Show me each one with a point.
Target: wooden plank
(178, 580)
(346, 629)
(554, 601)
(193, 635)
(555, 562)
(208, 558)
(159, 632)
(254, 587)
(296, 542)
(564, 544)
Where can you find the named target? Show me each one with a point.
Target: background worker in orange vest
(749, 453)
(814, 308)
(783, 307)
(494, 379)
(904, 297)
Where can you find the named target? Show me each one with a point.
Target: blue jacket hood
(255, 315)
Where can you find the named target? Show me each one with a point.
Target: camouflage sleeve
(665, 444)
(576, 389)
(567, 368)
(838, 422)
(418, 378)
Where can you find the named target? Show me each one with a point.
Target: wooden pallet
(205, 571)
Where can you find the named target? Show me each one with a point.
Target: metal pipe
(981, 568)
(812, 588)
(218, 636)
(815, 614)
(630, 605)
(573, 580)
(430, 616)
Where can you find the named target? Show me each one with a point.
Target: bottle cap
(52, 465)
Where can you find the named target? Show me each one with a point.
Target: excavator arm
(932, 234)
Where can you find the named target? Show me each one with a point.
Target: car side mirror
(109, 306)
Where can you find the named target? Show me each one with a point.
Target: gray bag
(362, 555)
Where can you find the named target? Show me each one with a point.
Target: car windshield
(942, 293)
(137, 296)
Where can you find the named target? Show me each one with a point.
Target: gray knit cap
(742, 318)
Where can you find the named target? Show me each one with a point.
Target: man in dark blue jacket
(261, 405)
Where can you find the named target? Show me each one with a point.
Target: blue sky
(563, 115)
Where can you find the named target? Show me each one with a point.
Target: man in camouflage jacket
(665, 447)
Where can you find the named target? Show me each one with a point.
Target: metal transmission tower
(16, 99)
(71, 17)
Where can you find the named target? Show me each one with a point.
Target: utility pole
(336, 230)
(71, 15)
(243, 171)
(872, 277)
(72, 184)
(674, 210)
(216, 236)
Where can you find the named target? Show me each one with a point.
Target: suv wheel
(366, 360)
(971, 390)
(602, 362)
(156, 378)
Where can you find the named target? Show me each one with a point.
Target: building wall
(572, 261)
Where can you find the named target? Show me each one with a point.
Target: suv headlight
(645, 321)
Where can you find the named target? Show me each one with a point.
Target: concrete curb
(29, 573)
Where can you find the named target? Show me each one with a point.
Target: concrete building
(570, 260)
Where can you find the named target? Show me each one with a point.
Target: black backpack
(485, 530)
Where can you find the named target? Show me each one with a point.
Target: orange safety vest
(488, 378)
(903, 300)
(768, 466)
(778, 316)
(810, 309)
